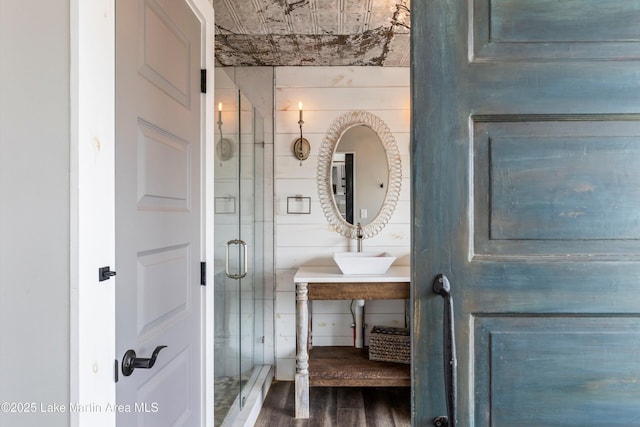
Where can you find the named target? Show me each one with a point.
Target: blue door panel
(563, 371)
(539, 21)
(556, 187)
(545, 188)
(552, 29)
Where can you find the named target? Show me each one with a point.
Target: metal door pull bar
(442, 287)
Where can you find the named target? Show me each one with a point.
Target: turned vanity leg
(302, 353)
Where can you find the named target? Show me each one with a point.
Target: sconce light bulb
(300, 108)
(220, 106)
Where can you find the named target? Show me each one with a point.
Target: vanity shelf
(342, 366)
(351, 367)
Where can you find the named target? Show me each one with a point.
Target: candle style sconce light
(301, 147)
(224, 147)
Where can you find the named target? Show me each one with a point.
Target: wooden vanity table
(342, 366)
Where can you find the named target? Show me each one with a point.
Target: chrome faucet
(359, 236)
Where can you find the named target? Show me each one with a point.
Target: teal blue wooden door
(526, 192)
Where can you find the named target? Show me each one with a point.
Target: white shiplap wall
(326, 93)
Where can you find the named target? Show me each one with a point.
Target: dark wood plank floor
(338, 406)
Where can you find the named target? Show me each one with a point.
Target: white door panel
(159, 152)
(158, 51)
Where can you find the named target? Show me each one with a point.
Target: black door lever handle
(130, 362)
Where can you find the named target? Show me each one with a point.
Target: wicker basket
(389, 344)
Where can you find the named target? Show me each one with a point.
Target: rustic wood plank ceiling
(312, 32)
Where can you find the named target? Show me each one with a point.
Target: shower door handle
(442, 287)
(244, 261)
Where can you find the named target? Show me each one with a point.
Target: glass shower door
(238, 251)
(251, 285)
(250, 235)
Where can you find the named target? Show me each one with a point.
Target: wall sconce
(224, 147)
(301, 146)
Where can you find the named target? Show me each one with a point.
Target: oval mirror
(359, 174)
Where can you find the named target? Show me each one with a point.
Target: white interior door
(158, 131)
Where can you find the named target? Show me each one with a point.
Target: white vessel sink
(363, 262)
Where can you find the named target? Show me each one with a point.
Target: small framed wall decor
(225, 205)
(299, 205)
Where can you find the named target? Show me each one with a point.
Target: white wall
(326, 93)
(34, 208)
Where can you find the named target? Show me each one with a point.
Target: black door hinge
(115, 371)
(203, 273)
(203, 81)
(105, 273)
